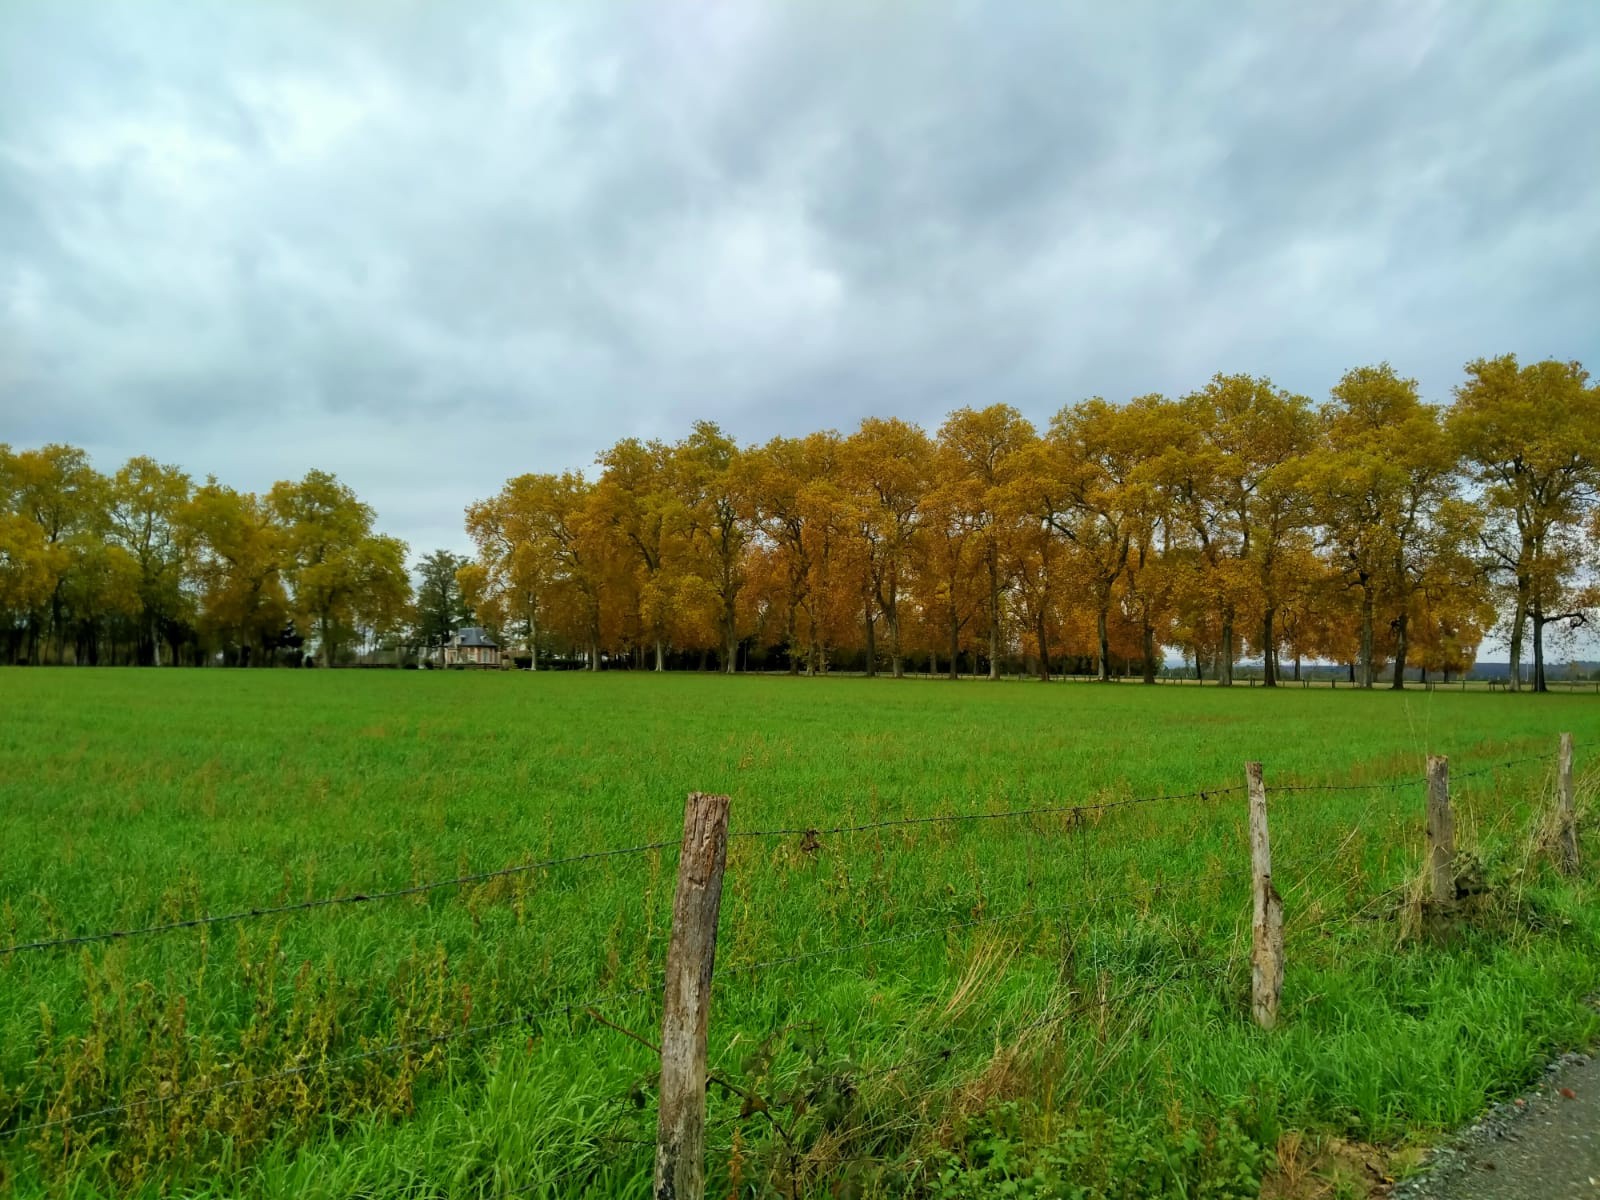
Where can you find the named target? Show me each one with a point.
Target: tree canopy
(1372, 529)
(1239, 521)
(144, 567)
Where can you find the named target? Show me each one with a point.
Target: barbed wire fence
(685, 983)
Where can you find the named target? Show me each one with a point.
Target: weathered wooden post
(1567, 845)
(1441, 834)
(1266, 950)
(686, 1008)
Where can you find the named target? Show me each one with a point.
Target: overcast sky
(430, 246)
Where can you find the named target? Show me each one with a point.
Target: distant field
(1100, 1036)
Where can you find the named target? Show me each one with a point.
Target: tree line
(145, 567)
(1373, 529)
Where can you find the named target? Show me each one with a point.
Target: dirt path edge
(1543, 1144)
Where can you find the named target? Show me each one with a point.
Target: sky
(430, 246)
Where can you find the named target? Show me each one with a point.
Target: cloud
(428, 246)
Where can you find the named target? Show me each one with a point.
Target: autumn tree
(344, 575)
(981, 451)
(952, 554)
(147, 500)
(887, 469)
(826, 608)
(516, 551)
(1151, 577)
(238, 563)
(1275, 516)
(57, 489)
(1379, 488)
(1086, 478)
(1530, 437)
(143, 560)
(715, 486)
(556, 517)
(1313, 608)
(795, 502)
(636, 496)
(1448, 626)
(1035, 570)
(1242, 502)
(30, 565)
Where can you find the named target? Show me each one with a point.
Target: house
(471, 647)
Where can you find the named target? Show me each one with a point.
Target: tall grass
(1063, 988)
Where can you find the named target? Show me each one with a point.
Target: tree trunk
(872, 643)
(1538, 619)
(1366, 635)
(994, 613)
(1269, 649)
(1044, 651)
(1105, 643)
(1225, 661)
(1297, 666)
(1519, 630)
(789, 638)
(661, 656)
(1399, 683)
(955, 644)
(1149, 653)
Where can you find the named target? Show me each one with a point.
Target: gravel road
(1545, 1145)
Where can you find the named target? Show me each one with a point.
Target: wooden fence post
(1266, 952)
(686, 1008)
(1568, 833)
(1441, 833)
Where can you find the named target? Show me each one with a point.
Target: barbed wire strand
(525, 868)
(1049, 810)
(950, 818)
(1014, 915)
(1386, 786)
(1410, 781)
(1487, 768)
(418, 889)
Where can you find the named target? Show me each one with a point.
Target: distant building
(471, 647)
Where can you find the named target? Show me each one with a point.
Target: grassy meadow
(1036, 1004)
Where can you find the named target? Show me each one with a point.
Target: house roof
(473, 635)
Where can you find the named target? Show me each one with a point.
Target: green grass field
(1075, 1017)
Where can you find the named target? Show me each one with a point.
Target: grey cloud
(431, 246)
